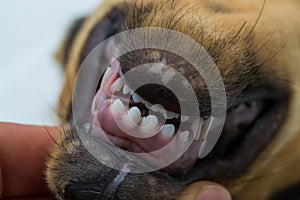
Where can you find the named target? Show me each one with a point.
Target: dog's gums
(256, 66)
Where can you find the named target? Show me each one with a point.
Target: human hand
(23, 152)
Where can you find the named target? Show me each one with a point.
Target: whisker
(257, 20)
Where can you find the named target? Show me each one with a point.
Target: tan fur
(279, 163)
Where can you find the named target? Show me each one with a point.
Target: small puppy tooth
(149, 123)
(167, 131)
(202, 148)
(197, 132)
(147, 104)
(117, 107)
(87, 126)
(105, 78)
(159, 108)
(117, 86)
(126, 89)
(135, 115)
(206, 127)
(184, 136)
(171, 115)
(136, 98)
(184, 118)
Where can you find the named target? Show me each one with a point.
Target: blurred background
(30, 79)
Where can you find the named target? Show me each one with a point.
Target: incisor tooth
(167, 131)
(147, 104)
(184, 118)
(117, 107)
(171, 115)
(136, 98)
(184, 136)
(117, 85)
(159, 108)
(105, 78)
(126, 89)
(149, 123)
(135, 115)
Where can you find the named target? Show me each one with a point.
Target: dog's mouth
(137, 127)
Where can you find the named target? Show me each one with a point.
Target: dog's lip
(224, 169)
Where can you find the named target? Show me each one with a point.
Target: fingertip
(205, 190)
(213, 192)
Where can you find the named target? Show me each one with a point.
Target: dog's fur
(227, 29)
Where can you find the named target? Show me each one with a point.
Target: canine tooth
(167, 131)
(117, 107)
(150, 122)
(105, 78)
(171, 115)
(126, 89)
(207, 126)
(117, 85)
(184, 136)
(197, 134)
(136, 98)
(135, 115)
(202, 149)
(184, 118)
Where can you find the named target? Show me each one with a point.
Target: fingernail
(212, 192)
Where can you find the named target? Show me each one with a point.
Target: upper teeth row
(119, 85)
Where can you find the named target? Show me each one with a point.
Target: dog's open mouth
(137, 127)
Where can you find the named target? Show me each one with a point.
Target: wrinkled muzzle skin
(256, 48)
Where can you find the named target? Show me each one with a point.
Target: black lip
(224, 169)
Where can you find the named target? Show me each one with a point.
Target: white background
(30, 79)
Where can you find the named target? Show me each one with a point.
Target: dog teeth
(159, 108)
(167, 131)
(136, 98)
(171, 115)
(204, 132)
(184, 136)
(134, 115)
(117, 107)
(105, 78)
(126, 89)
(184, 118)
(197, 133)
(117, 85)
(149, 123)
(147, 104)
(206, 126)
